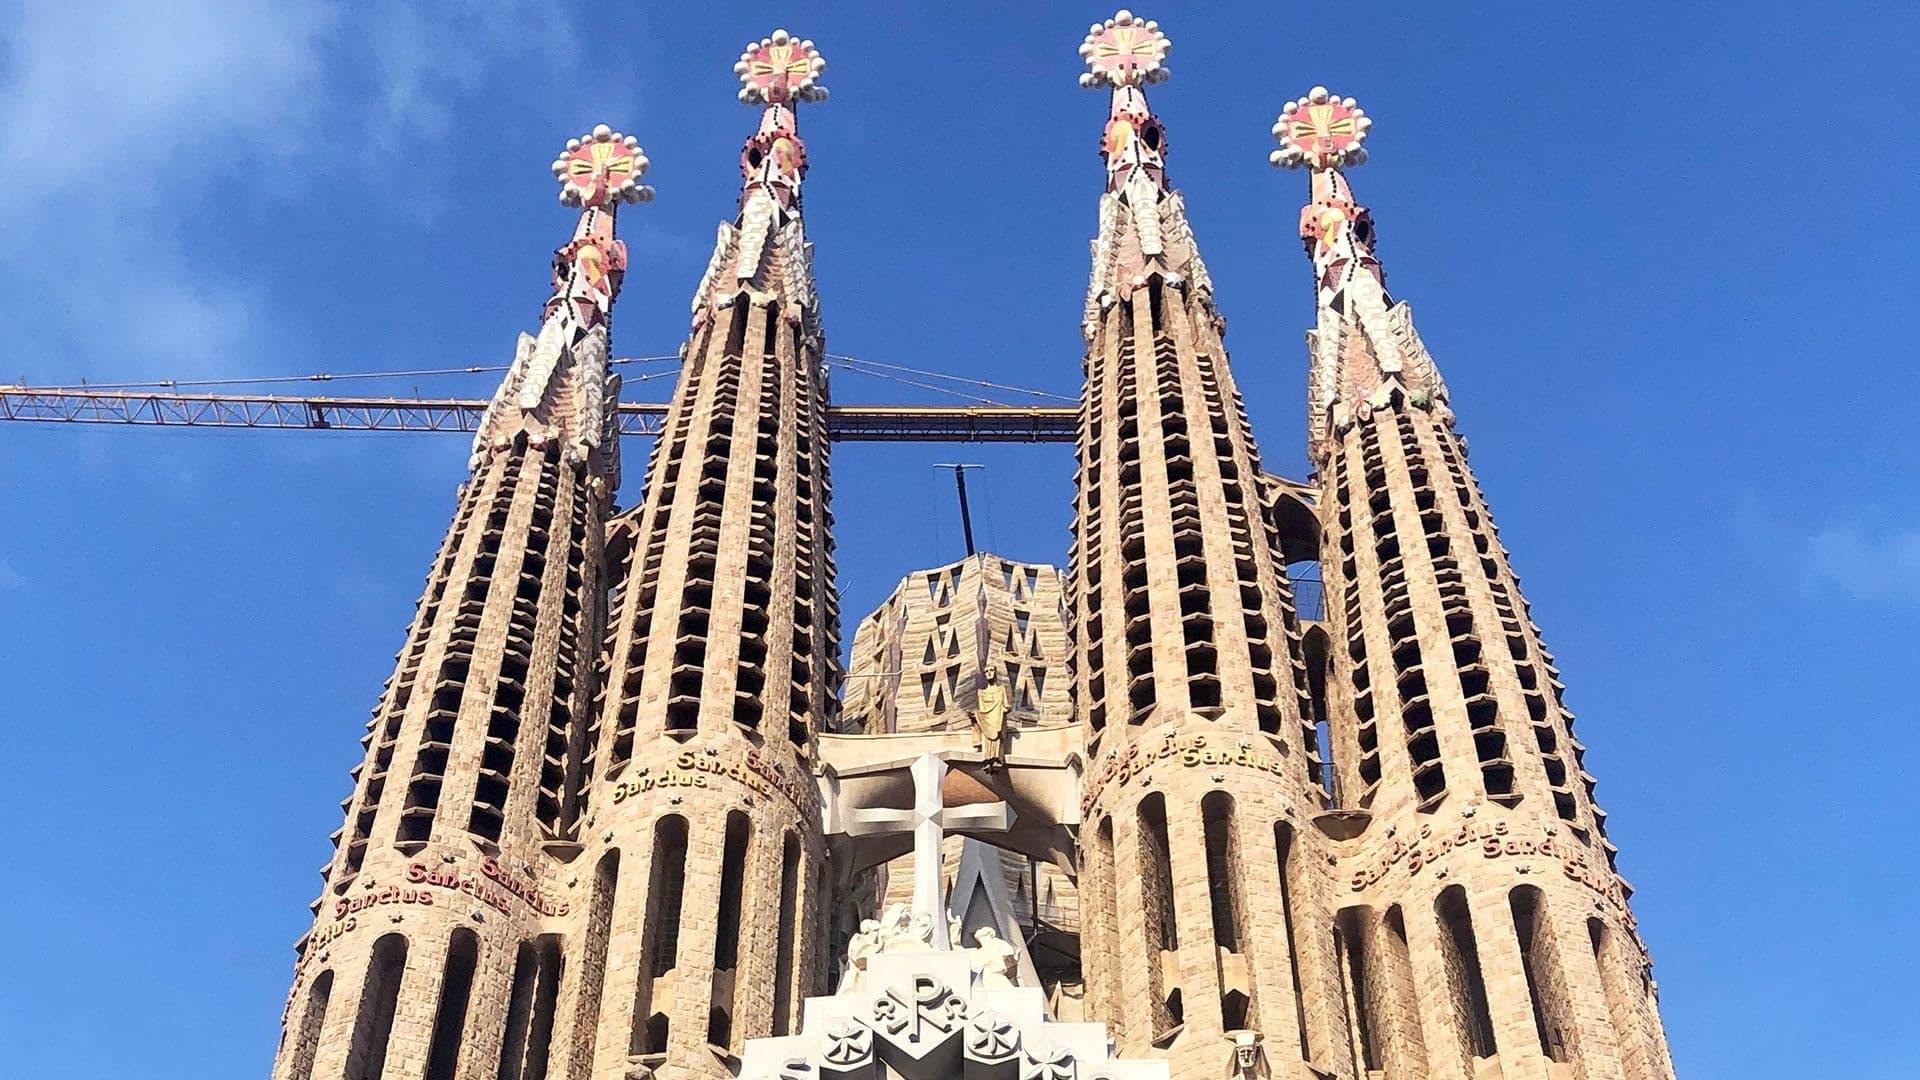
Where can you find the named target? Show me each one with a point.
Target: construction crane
(845, 423)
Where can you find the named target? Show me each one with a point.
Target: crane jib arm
(846, 423)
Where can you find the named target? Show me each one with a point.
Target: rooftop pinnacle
(764, 251)
(558, 389)
(1365, 350)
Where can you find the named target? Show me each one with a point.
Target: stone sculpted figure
(994, 959)
(866, 942)
(1249, 1059)
(990, 718)
(902, 929)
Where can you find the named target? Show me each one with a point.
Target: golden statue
(990, 718)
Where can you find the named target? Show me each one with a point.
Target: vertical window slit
(1465, 982)
(784, 942)
(450, 1019)
(379, 996)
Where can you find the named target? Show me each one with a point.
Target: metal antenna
(960, 485)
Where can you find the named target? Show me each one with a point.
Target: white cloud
(108, 113)
(118, 115)
(10, 578)
(1865, 563)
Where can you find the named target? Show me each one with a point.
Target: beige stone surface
(601, 832)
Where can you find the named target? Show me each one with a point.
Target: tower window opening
(379, 998)
(789, 915)
(450, 1018)
(312, 1021)
(659, 948)
(1284, 855)
(1465, 982)
(1539, 959)
(1350, 946)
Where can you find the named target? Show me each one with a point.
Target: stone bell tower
(705, 924)
(442, 904)
(1202, 883)
(1484, 930)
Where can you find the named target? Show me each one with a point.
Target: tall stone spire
(721, 657)
(1481, 914)
(447, 885)
(557, 389)
(1365, 353)
(1201, 886)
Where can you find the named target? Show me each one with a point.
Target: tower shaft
(1200, 887)
(1480, 915)
(722, 664)
(444, 900)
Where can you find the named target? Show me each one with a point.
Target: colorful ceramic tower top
(1143, 222)
(1365, 348)
(764, 252)
(558, 388)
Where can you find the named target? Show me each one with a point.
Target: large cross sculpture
(929, 821)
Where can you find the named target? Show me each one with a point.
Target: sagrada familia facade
(623, 815)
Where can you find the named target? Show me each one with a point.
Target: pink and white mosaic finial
(1124, 51)
(779, 69)
(602, 168)
(1321, 131)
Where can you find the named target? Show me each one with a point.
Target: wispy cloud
(109, 113)
(119, 118)
(10, 578)
(1866, 563)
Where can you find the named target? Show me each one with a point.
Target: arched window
(1216, 814)
(660, 944)
(1283, 853)
(306, 1038)
(1627, 1004)
(726, 942)
(593, 962)
(1106, 906)
(450, 1018)
(1552, 1015)
(1162, 929)
(379, 996)
(784, 943)
(1466, 985)
(1350, 939)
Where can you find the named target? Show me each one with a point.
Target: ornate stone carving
(1364, 352)
(557, 387)
(1143, 224)
(994, 960)
(1046, 1062)
(1248, 1057)
(991, 1037)
(849, 1044)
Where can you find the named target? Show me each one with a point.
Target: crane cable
(258, 380)
(843, 358)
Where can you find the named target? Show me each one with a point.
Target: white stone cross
(929, 821)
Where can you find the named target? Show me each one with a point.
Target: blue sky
(1662, 253)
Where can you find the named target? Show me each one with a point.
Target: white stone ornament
(849, 1044)
(991, 1037)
